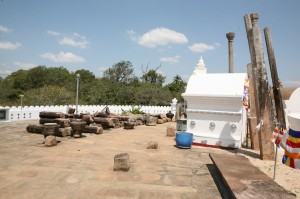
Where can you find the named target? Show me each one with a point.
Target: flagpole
(275, 163)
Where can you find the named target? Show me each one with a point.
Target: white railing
(32, 112)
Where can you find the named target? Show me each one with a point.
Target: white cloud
(50, 32)
(63, 57)
(4, 29)
(201, 47)
(78, 35)
(9, 46)
(170, 59)
(132, 35)
(24, 65)
(76, 40)
(71, 42)
(161, 37)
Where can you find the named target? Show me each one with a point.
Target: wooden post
(276, 84)
(261, 89)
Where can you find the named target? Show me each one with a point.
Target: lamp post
(77, 77)
(21, 96)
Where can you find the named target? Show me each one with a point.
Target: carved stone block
(121, 162)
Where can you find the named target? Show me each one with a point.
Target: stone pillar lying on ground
(35, 128)
(93, 129)
(129, 125)
(64, 132)
(121, 162)
(53, 115)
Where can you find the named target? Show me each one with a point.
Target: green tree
(49, 95)
(152, 94)
(120, 72)
(177, 87)
(153, 77)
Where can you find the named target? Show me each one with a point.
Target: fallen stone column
(129, 125)
(105, 122)
(51, 115)
(60, 121)
(86, 118)
(93, 129)
(64, 132)
(35, 128)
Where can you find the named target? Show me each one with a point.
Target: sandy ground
(285, 176)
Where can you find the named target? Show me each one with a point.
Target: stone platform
(83, 167)
(245, 180)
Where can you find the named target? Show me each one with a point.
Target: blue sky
(173, 34)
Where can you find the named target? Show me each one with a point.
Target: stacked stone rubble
(93, 123)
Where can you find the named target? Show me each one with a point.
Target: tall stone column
(264, 113)
(230, 37)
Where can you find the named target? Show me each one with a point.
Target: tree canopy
(57, 86)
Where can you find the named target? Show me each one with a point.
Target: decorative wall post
(173, 105)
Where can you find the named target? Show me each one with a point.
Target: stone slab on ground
(245, 180)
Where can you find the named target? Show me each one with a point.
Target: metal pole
(77, 91)
(275, 163)
(21, 96)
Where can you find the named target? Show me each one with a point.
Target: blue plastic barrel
(184, 140)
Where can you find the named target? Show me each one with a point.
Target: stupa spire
(200, 68)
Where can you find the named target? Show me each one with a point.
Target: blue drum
(184, 140)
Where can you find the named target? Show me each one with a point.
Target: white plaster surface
(216, 98)
(216, 84)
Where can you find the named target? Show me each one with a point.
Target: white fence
(32, 112)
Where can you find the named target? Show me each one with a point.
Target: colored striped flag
(277, 134)
(291, 144)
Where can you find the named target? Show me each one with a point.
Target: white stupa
(215, 112)
(200, 68)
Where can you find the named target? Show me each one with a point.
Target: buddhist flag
(291, 144)
(246, 95)
(277, 134)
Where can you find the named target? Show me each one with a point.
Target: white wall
(32, 112)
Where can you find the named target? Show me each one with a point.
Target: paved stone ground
(83, 167)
